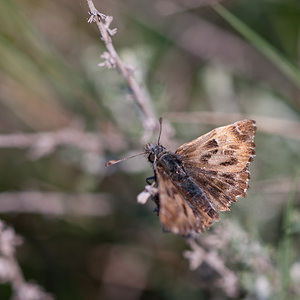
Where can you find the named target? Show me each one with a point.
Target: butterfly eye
(151, 158)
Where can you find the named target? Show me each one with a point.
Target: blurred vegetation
(239, 58)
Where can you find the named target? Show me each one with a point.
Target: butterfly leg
(156, 201)
(156, 210)
(150, 178)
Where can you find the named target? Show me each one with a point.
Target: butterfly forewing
(224, 149)
(219, 162)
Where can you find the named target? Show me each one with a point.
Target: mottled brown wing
(176, 215)
(219, 162)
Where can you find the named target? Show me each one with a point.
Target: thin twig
(112, 59)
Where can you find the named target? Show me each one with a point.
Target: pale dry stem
(10, 271)
(271, 125)
(112, 60)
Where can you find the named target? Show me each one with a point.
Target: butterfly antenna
(160, 129)
(112, 162)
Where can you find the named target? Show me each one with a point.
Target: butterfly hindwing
(221, 188)
(174, 212)
(178, 211)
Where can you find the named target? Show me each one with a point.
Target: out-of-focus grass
(285, 250)
(291, 70)
(32, 62)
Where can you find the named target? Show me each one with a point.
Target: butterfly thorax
(166, 160)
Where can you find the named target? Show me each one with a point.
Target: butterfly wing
(176, 213)
(219, 162)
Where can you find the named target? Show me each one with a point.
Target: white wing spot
(237, 129)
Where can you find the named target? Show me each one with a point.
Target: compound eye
(151, 158)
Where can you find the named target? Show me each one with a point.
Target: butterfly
(201, 177)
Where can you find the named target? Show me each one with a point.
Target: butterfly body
(202, 177)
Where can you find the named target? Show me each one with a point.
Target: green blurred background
(85, 235)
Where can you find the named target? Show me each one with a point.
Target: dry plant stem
(103, 22)
(56, 204)
(10, 271)
(44, 143)
(276, 126)
(198, 255)
(277, 186)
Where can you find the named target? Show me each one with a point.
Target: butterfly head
(154, 151)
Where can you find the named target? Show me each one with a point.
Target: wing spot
(229, 152)
(234, 147)
(230, 162)
(204, 158)
(237, 129)
(211, 144)
(243, 137)
(229, 176)
(170, 192)
(215, 151)
(184, 209)
(212, 213)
